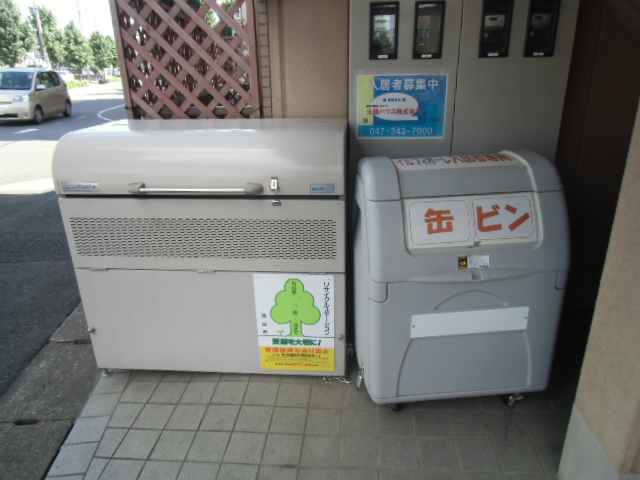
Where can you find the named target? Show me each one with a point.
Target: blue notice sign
(402, 106)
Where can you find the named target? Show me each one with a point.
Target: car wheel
(67, 109)
(38, 116)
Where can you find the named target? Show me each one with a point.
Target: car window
(27, 81)
(40, 79)
(15, 80)
(47, 79)
(55, 79)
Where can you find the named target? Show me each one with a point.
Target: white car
(66, 75)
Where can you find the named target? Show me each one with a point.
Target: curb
(39, 409)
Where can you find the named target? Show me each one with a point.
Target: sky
(89, 15)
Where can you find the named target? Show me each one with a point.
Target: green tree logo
(295, 306)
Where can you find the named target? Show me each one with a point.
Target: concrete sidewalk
(62, 420)
(41, 406)
(184, 425)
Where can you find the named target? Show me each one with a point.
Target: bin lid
(216, 157)
(423, 177)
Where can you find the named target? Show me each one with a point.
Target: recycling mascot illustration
(296, 306)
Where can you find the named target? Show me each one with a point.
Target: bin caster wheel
(510, 400)
(396, 407)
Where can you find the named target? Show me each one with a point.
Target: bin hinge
(97, 269)
(205, 271)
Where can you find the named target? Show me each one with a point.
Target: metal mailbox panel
(492, 93)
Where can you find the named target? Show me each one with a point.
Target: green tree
(226, 31)
(29, 36)
(77, 52)
(55, 47)
(296, 306)
(103, 48)
(211, 18)
(53, 36)
(16, 38)
(113, 60)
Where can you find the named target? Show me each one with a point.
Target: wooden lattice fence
(188, 58)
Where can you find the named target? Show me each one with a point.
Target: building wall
(309, 57)
(606, 420)
(607, 398)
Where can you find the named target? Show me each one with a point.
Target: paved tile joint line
(183, 425)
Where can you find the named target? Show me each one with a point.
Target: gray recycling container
(461, 265)
(209, 245)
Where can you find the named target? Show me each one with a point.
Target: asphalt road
(38, 289)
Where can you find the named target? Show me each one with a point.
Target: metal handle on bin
(248, 189)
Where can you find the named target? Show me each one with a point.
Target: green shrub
(113, 79)
(78, 83)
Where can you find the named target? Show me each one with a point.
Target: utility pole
(43, 48)
(79, 16)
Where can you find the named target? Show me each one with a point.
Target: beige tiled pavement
(182, 425)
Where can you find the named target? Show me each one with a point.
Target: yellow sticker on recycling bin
(281, 358)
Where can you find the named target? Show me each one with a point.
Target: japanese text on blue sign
(402, 106)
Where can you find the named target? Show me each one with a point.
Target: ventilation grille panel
(205, 238)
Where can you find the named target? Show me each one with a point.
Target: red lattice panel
(177, 65)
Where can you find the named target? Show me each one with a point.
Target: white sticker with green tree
(295, 315)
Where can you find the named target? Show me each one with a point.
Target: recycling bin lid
(421, 177)
(304, 156)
